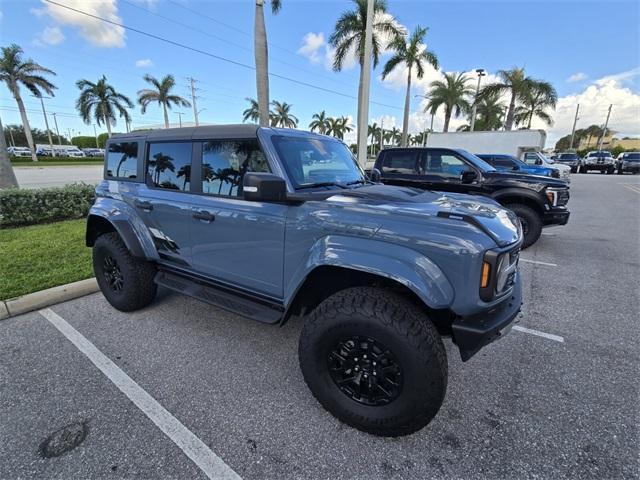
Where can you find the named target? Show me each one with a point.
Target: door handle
(143, 205)
(204, 216)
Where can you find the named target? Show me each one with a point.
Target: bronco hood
(497, 222)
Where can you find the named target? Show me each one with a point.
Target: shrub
(27, 207)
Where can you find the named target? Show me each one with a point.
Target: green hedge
(28, 207)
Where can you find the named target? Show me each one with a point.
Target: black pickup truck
(538, 201)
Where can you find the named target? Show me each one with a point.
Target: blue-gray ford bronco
(277, 223)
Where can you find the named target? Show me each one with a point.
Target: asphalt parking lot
(556, 398)
(47, 176)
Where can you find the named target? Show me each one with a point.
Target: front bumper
(634, 167)
(599, 166)
(472, 333)
(556, 216)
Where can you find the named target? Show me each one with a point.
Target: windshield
(547, 159)
(631, 156)
(312, 161)
(477, 161)
(568, 156)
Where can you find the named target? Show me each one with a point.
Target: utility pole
(7, 176)
(46, 123)
(55, 121)
(69, 133)
(363, 101)
(193, 100)
(95, 134)
(180, 118)
(573, 130)
(604, 130)
(13, 143)
(480, 72)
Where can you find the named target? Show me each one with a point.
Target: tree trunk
(7, 177)
(25, 126)
(108, 123)
(166, 116)
(405, 118)
(511, 112)
(447, 117)
(262, 64)
(530, 120)
(360, 82)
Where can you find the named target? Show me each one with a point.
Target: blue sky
(595, 42)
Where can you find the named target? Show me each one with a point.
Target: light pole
(573, 130)
(180, 118)
(480, 72)
(604, 130)
(55, 121)
(363, 101)
(13, 143)
(46, 123)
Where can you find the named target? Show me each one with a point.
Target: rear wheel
(374, 360)
(531, 223)
(125, 281)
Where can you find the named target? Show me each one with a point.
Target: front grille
(555, 174)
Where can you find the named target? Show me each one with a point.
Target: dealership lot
(558, 397)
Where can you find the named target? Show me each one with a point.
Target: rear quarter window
(122, 160)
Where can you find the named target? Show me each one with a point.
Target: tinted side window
(122, 160)
(402, 162)
(224, 163)
(169, 165)
(502, 162)
(444, 164)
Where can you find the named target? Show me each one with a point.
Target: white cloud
(312, 43)
(144, 63)
(577, 77)
(97, 32)
(50, 36)
(594, 101)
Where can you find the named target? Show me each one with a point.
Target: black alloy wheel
(112, 274)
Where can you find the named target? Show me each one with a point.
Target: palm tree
(262, 59)
(412, 53)
(99, 102)
(253, 112)
(490, 114)
(7, 176)
(393, 135)
(184, 171)
(338, 127)
(452, 93)
(161, 163)
(514, 82)
(349, 34)
(281, 115)
(319, 122)
(15, 71)
(535, 101)
(373, 131)
(161, 94)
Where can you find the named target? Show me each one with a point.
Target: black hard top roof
(205, 132)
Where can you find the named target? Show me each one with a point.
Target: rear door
(163, 202)
(236, 242)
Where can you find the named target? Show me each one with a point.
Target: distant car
(509, 163)
(19, 151)
(598, 160)
(570, 159)
(93, 152)
(628, 162)
(537, 158)
(74, 152)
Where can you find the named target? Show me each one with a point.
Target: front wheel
(574, 169)
(374, 360)
(125, 281)
(530, 221)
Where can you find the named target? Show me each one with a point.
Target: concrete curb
(44, 298)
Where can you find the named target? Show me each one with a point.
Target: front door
(236, 242)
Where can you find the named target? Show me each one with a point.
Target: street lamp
(480, 72)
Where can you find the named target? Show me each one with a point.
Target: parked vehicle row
(628, 162)
(276, 223)
(19, 151)
(602, 161)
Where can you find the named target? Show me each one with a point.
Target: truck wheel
(574, 169)
(374, 360)
(531, 223)
(125, 281)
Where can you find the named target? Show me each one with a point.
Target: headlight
(552, 196)
(497, 274)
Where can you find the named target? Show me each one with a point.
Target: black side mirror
(468, 176)
(264, 187)
(375, 175)
(516, 167)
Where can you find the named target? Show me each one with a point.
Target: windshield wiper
(361, 181)
(322, 184)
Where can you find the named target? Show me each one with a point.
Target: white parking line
(212, 465)
(538, 263)
(538, 333)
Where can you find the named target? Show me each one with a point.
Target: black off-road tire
(531, 223)
(137, 288)
(400, 326)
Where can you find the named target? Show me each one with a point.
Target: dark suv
(628, 162)
(276, 223)
(570, 159)
(537, 201)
